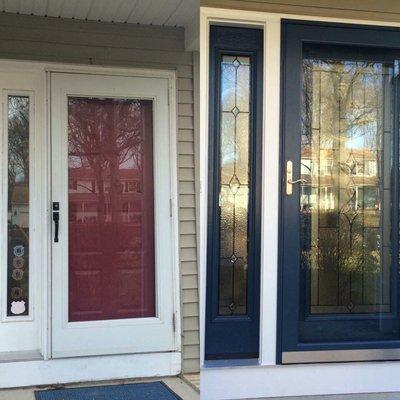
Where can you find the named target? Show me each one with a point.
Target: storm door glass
(111, 209)
(346, 205)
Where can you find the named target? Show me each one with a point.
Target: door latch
(56, 219)
(289, 178)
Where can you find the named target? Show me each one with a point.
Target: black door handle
(56, 219)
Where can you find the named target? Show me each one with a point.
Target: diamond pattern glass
(345, 206)
(234, 184)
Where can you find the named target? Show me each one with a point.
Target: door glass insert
(234, 184)
(346, 202)
(111, 209)
(18, 121)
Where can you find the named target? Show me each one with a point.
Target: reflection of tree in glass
(18, 144)
(342, 125)
(105, 136)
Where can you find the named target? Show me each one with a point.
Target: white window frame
(234, 379)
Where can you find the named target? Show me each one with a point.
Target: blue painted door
(340, 231)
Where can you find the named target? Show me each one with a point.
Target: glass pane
(18, 206)
(111, 213)
(345, 206)
(234, 184)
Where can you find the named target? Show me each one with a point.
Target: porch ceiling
(173, 13)
(178, 13)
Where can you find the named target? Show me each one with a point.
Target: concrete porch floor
(176, 384)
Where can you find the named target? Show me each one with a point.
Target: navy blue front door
(340, 229)
(234, 211)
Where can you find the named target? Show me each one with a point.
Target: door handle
(289, 178)
(56, 219)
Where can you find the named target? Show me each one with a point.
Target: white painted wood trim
(269, 379)
(86, 369)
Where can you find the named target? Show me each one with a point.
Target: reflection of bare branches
(18, 143)
(104, 136)
(342, 129)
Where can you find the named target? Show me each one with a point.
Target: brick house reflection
(84, 200)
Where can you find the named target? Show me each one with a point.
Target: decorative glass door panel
(111, 212)
(112, 252)
(345, 204)
(340, 206)
(233, 268)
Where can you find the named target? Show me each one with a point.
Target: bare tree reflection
(343, 240)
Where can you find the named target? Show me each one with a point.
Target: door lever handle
(296, 181)
(56, 219)
(289, 178)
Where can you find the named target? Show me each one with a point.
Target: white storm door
(112, 257)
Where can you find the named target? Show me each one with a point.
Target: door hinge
(173, 322)
(170, 208)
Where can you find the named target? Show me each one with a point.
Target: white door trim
(44, 70)
(67, 337)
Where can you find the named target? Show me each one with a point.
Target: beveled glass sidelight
(345, 204)
(18, 121)
(234, 184)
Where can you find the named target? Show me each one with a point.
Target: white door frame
(233, 379)
(170, 363)
(67, 338)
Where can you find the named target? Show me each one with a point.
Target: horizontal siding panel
(187, 188)
(186, 148)
(187, 227)
(185, 109)
(188, 241)
(186, 135)
(91, 27)
(189, 282)
(187, 214)
(73, 37)
(185, 160)
(191, 366)
(165, 57)
(191, 351)
(191, 323)
(185, 84)
(188, 267)
(185, 97)
(189, 296)
(185, 122)
(188, 254)
(186, 174)
(191, 337)
(185, 71)
(191, 310)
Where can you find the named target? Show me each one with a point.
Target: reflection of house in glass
(84, 197)
(345, 202)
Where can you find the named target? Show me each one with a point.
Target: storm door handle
(56, 219)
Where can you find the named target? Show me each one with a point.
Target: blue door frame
(237, 335)
(298, 330)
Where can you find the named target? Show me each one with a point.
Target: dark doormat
(133, 391)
